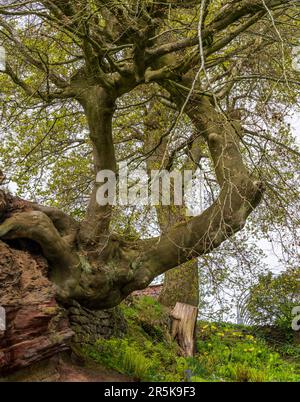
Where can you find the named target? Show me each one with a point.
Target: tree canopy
(205, 84)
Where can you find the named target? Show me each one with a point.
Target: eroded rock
(36, 326)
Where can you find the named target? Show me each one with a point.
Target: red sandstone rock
(37, 327)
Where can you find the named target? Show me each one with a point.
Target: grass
(225, 352)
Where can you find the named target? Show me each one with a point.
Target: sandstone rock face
(36, 327)
(38, 330)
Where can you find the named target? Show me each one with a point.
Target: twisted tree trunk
(117, 48)
(99, 269)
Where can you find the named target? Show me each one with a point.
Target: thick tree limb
(65, 224)
(99, 108)
(36, 226)
(239, 195)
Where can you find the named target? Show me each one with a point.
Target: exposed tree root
(36, 226)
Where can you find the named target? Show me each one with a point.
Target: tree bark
(181, 284)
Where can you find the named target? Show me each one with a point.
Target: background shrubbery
(272, 299)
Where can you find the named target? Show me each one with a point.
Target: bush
(272, 299)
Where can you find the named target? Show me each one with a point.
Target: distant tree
(272, 299)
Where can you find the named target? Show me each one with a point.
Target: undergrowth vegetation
(225, 352)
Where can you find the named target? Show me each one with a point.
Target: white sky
(271, 254)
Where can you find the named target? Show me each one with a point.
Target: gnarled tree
(84, 57)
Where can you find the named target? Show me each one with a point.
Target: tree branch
(222, 21)
(239, 195)
(99, 108)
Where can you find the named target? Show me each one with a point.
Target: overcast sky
(272, 255)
